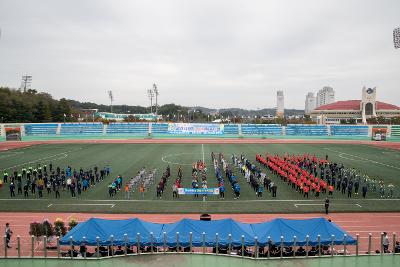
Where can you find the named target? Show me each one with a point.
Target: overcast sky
(209, 53)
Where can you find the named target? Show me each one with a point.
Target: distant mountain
(246, 112)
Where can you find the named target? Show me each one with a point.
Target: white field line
(81, 204)
(322, 204)
(366, 159)
(164, 159)
(64, 154)
(218, 201)
(9, 154)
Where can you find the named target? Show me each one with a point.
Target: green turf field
(127, 159)
(207, 260)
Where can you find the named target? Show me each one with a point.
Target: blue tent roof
(153, 233)
(102, 228)
(289, 229)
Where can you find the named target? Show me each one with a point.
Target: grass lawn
(127, 159)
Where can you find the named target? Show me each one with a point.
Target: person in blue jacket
(236, 189)
(260, 190)
(221, 191)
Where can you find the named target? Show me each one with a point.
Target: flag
(396, 37)
(65, 115)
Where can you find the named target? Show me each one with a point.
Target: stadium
(164, 184)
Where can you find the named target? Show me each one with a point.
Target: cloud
(208, 53)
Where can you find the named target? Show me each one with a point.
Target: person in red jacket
(331, 190)
(305, 190)
(317, 191)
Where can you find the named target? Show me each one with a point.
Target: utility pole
(26, 82)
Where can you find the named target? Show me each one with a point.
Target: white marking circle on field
(340, 154)
(343, 157)
(54, 157)
(164, 158)
(7, 154)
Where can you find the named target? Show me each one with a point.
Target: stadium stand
(231, 129)
(81, 128)
(395, 130)
(349, 130)
(306, 130)
(128, 128)
(41, 129)
(261, 129)
(159, 128)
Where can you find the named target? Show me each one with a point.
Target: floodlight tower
(156, 93)
(110, 95)
(150, 94)
(396, 37)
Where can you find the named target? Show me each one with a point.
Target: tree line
(31, 106)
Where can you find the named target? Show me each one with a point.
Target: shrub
(72, 223)
(48, 229)
(59, 227)
(36, 229)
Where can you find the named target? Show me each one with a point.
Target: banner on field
(195, 128)
(198, 191)
(13, 133)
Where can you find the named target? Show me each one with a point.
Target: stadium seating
(306, 130)
(261, 129)
(231, 129)
(159, 128)
(41, 129)
(349, 130)
(128, 128)
(396, 130)
(81, 129)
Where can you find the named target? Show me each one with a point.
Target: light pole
(156, 93)
(396, 37)
(110, 95)
(150, 94)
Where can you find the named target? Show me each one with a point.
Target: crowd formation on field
(34, 181)
(307, 175)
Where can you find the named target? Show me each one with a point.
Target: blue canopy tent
(287, 229)
(103, 229)
(210, 229)
(153, 233)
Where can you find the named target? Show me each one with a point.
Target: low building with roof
(358, 110)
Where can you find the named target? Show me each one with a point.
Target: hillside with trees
(33, 106)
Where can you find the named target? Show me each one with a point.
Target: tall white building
(325, 96)
(310, 104)
(280, 105)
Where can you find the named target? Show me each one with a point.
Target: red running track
(19, 144)
(361, 223)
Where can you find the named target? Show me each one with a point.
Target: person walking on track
(326, 205)
(8, 234)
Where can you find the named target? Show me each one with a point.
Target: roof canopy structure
(225, 232)
(355, 105)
